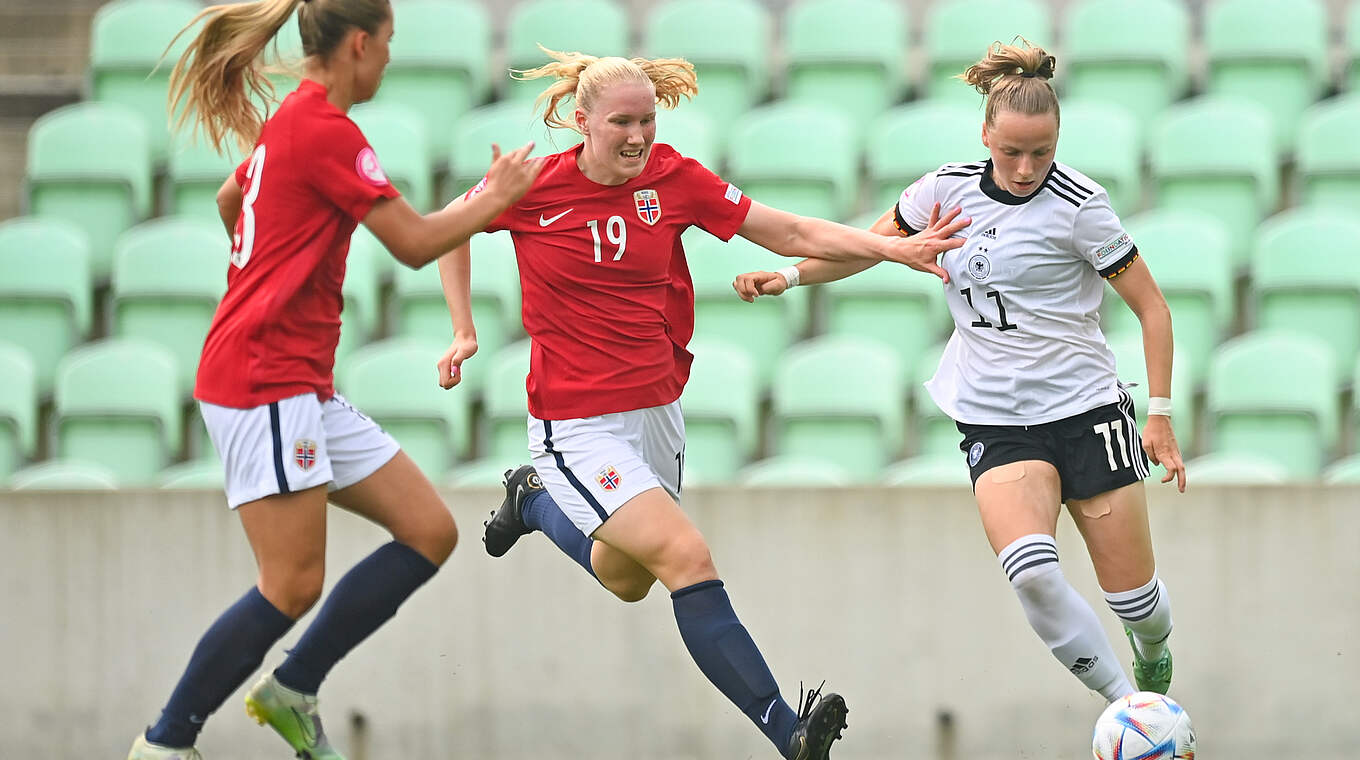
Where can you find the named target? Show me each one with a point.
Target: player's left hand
(1159, 441)
(753, 284)
(450, 364)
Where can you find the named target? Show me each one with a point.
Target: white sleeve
(1100, 239)
(913, 209)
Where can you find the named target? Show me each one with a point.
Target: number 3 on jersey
(615, 229)
(243, 242)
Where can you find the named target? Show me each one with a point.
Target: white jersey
(1025, 292)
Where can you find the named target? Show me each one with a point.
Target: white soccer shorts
(594, 465)
(295, 444)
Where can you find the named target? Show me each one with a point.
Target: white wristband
(1160, 406)
(790, 275)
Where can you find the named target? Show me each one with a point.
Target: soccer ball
(1144, 726)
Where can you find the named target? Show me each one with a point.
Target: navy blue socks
(360, 603)
(540, 512)
(725, 652)
(233, 647)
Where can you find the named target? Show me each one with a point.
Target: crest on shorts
(304, 453)
(608, 478)
(975, 454)
(648, 205)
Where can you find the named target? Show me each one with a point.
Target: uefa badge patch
(979, 267)
(608, 478)
(304, 453)
(368, 167)
(975, 454)
(648, 204)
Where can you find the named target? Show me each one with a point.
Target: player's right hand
(753, 284)
(512, 174)
(451, 363)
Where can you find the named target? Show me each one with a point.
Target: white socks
(1146, 611)
(1064, 620)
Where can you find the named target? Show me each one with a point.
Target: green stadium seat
(1272, 52)
(127, 38)
(197, 475)
(18, 408)
(846, 54)
(90, 164)
(1294, 288)
(728, 41)
(1217, 156)
(1188, 254)
(505, 406)
(855, 419)
(117, 403)
(593, 27)
(1343, 471)
(1274, 394)
(721, 404)
(764, 328)
(510, 124)
(1143, 67)
(1327, 159)
(794, 472)
(958, 33)
(691, 132)
(1101, 140)
(367, 266)
(64, 475)
(194, 174)
(1131, 366)
(483, 473)
(394, 382)
(907, 142)
(797, 157)
(439, 64)
(1235, 468)
(901, 308)
(398, 135)
(168, 275)
(930, 470)
(936, 433)
(45, 290)
(1350, 76)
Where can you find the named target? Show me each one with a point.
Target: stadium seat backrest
(439, 63)
(368, 266)
(693, 133)
(509, 124)
(1343, 471)
(64, 475)
(90, 164)
(846, 54)
(1327, 160)
(593, 27)
(1236, 468)
(728, 41)
(505, 403)
(909, 141)
(1143, 67)
(721, 403)
(194, 173)
(799, 157)
(1274, 393)
(958, 33)
(889, 303)
(1131, 366)
(196, 475)
(930, 470)
(45, 290)
(1273, 52)
(936, 433)
(1350, 75)
(399, 138)
(117, 403)
(391, 381)
(127, 38)
(18, 407)
(790, 471)
(1217, 155)
(1100, 140)
(1305, 274)
(168, 275)
(843, 399)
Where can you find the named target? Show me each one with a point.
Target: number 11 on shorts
(1104, 429)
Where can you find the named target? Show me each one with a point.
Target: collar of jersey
(989, 187)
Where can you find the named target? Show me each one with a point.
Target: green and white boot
(145, 750)
(293, 715)
(1150, 675)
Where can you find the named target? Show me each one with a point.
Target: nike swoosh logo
(545, 221)
(766, 717)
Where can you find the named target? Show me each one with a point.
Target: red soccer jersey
(608, 300)
(310, 179)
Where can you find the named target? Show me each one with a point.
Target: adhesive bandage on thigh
(1146, 611)
(1064, 620)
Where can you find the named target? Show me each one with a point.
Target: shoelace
(805, 708)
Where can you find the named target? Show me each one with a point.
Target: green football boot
(145, 750)
(1150, 675)
(292, 714)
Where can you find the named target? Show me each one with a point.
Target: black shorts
(1094, 452)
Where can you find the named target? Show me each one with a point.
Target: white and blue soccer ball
(1144, 726)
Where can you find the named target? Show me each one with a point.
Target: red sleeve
(346, 170)
(715, 205)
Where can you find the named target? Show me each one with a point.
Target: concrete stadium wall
(890, 595)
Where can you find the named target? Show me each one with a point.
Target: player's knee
(443, 536)
(689, 559)
(295, 592)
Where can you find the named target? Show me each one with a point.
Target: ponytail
(583, 77)
(1014, 78)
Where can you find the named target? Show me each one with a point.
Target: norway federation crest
(304, 453)
(648, 205)
(609, 477)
